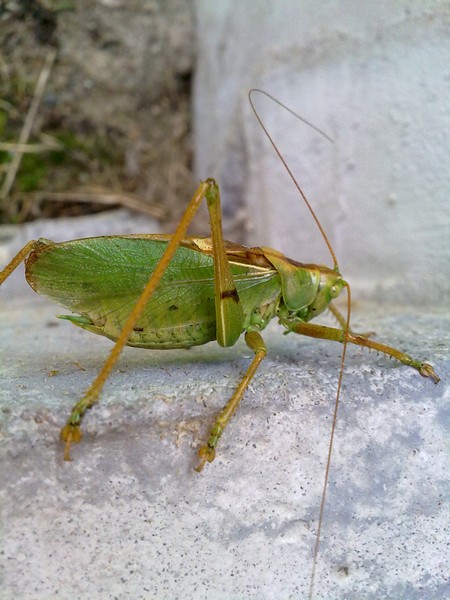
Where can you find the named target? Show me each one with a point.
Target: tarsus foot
(207, 454)
(426, 370)
(70, 434)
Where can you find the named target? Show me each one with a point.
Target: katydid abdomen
(101, 279)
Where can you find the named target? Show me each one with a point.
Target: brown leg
(338, 335)
(208, 452)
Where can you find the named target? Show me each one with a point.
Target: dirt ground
(113, 119)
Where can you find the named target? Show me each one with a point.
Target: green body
(100, 279)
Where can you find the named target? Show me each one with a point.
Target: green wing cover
(101, 280)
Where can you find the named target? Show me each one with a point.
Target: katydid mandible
(173, 291)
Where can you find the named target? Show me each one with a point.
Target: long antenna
(330, 446)
(347, 319)
(280, 156)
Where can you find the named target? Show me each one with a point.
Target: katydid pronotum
(172, 291)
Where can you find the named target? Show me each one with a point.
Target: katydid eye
(334, 292)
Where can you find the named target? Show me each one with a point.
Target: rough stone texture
(371, 75)
(130, 518)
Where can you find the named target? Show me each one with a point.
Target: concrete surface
(129, 518)
(374, 77)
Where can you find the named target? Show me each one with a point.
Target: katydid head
(307, 290)
(330, 286)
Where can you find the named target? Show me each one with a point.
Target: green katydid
(173, 291)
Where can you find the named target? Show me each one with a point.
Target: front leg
(339, 335)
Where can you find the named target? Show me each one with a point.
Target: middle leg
(208, 451)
